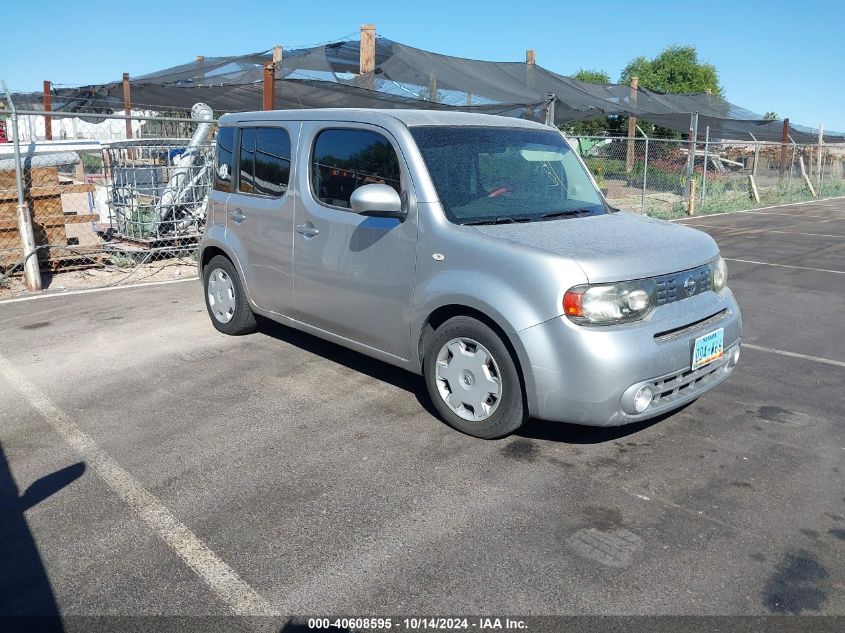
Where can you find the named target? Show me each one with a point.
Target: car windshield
(487, 175)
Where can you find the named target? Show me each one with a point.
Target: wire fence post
(820, 163)
(693, 137)
(756, 155)
(32, 274)
(645, 170)
(792, 161)
(706, 159)
(632, 124)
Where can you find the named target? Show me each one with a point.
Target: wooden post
(48, 107)
(432, 88)
(806, 177)
(752, 189)
(277, 54)
(632, 126)
(367, 58)
(783, 140)
(692, 196)
(530, 64)
(127, 104)
(268, 86)
(200, 59)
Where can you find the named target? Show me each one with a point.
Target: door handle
(237, 216)
(307, 229)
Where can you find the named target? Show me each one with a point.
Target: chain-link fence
(658, 176)
(111, 199)
(114, 199)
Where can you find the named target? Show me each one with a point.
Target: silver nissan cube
(474, 250)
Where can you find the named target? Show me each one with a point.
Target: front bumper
(580, 374)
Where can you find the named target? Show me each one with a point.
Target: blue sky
(769, 57)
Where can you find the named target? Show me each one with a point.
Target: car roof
(375, 116)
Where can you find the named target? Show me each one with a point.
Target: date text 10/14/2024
(418, 623)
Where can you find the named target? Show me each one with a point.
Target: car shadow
(415, 385)
(27, 601)
(412, 383)
(580, 434)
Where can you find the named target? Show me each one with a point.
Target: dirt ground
(14, 287)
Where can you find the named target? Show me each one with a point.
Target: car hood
(613, 246)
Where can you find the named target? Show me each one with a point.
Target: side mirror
(377, 200)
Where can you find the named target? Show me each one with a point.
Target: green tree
(591, 127)
(771, 116)
(675, 70)
(592, 76)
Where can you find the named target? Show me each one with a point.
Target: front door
(353, 274)
(260, 213)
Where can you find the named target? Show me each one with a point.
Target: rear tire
(472, 379)
(225, 299)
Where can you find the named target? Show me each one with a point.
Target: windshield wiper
(561, 214)
(500, 220)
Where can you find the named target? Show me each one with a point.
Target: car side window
(345, 159)
(264, 164)
(223, 159)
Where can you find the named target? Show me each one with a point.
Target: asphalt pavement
(151, 466)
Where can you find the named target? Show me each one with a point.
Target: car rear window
(264, 162)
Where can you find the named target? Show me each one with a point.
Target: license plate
(708, 348)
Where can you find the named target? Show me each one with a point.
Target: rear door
(260, 213)
(353, 274)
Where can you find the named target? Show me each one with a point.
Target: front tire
(472, 379)
(225, 298)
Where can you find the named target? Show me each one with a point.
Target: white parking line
(222, 579)
(818, 270)
(774, 206)
(736, 229)
(816, 359)
(85, 291)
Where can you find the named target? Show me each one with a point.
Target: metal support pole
(32, 274)
(632, 125)
(706, 159)
(784, 136)
(268, 87)
(550, 109)
(791, 162)
(48, 107)
(819, 163)
(693, 137)
(127, 104)
(756, 154)
(645, 170)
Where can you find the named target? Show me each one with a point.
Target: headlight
(720, 274)
(605, 304)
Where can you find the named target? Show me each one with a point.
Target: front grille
(686, 382)
(676, 286)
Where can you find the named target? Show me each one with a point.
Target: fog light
(734, 357)
(643, 398)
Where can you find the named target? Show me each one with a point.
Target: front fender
(504, 305)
